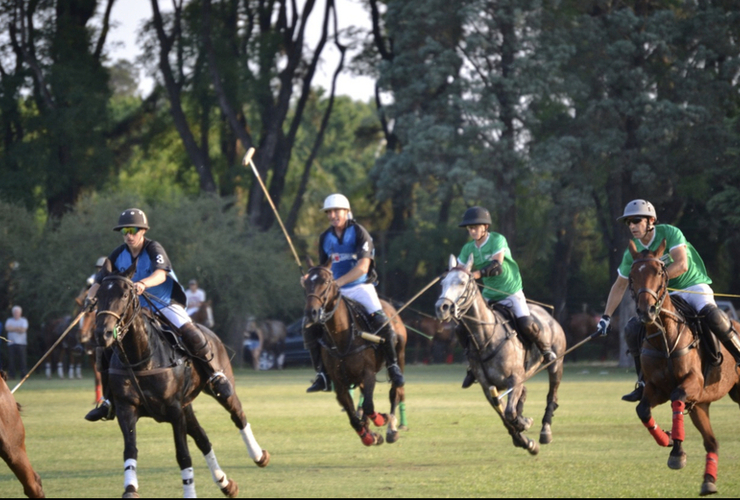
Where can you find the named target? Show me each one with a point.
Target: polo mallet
(379, 339)
(494, 391)
(61, 337)
(248, 160)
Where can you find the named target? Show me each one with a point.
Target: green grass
(455, 445)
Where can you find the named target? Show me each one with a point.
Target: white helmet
(336, 201)
(100, 262)
(638, 208)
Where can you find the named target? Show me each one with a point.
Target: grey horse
(497, 358)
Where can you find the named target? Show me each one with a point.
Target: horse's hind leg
(234, 406)
(178, 419)
(227, 487)
(700, 418)
(554, 374)
(397, 396)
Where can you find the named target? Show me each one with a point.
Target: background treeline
(553, 114)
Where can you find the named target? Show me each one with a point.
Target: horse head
(648, 282)
(455, 294)
(117, 305)
(321, 292)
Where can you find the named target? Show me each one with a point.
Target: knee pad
(633, 333)
(717, 321)
(528, 326)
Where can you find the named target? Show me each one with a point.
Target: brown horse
(271, 335)
(672, 366)
(13, 443)
(496, 356)
(66, 356)
(149, 378)
(204, 315)
(86, 339)
(350, 360)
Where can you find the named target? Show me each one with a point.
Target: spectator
(195, 295)
(17, 328)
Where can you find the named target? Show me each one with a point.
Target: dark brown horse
(66, 357)
(86, 339)
(149, 378)
(204, 315)
(13, 443)
(672, 366)
(431, 340)
(351, 360)
(497, 358)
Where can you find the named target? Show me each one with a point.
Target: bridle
(662, 292)
(329, 292)
(121, 327)
(465, 300)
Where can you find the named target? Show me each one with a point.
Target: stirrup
(635, 395)
(320, 384)
(220, 385)
(469, 379)
(104, 411)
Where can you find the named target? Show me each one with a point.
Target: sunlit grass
(455, 445)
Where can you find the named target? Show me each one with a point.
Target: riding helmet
(336, 201)
(132, 217)
(474, 216)
(638, 208)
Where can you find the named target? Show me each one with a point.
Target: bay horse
(271, 335)
(13, 443)
(204, 315)
(349, 359)
(672, 366)
(86, 339)
(66, 356)
(148, 377)
(434, 340)
(497, 358)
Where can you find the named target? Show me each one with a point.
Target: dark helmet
(132, 217)
(475, 215)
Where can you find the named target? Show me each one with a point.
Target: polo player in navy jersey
(153, 273)
(350, 248)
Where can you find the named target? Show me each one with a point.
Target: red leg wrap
(98, 393)
(379, 419)
(367, 437)
(677, 432)
(661, 437)
(711, 467)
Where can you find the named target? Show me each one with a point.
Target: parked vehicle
(295, 354)
(729, 308)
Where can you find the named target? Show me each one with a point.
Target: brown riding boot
(530, 329)
(200, 349)
(722, 327)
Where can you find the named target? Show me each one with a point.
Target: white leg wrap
(48, 370)
(188, 483)
(129, 474)
(218, 475)
(255, 452)
(60, 370)
(71, 372)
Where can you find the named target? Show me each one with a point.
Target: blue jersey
(355, 244)
(151, 258)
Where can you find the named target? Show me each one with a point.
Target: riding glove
(492, 269)
(605, 325)
(89, 304)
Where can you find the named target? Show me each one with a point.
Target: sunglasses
(130, 230)
(633, 221)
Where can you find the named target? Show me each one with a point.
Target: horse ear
(469, 263)
(660, 249)
(309, 261)
(633, 249)
(327, 264)
(452, 262)
(129, 273)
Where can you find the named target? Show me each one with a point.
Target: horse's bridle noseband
(465, 301)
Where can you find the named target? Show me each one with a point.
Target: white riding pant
(366, 295)
(697, 296)
(176, 314)
(517, 303)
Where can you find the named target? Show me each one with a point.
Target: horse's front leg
(644, 413)
(127, 417)
(345, 400)
(515, 405)
(182, 453)
(700, 417)
(518, 439)
(677, 458)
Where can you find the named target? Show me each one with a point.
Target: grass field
(455, 445)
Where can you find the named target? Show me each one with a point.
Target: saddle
(362, 322)
(711, 354)
(511, 326)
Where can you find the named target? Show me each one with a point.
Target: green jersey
(509, 281)
(695, 274)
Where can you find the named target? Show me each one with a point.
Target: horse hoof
(708, 488)
(130, 492)
(533, 447)
(527, 423)
(262, 462)
(546, 434)
(231, 490)
(391, 436)
(378, 439)
(403, 428)
(677, 462)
